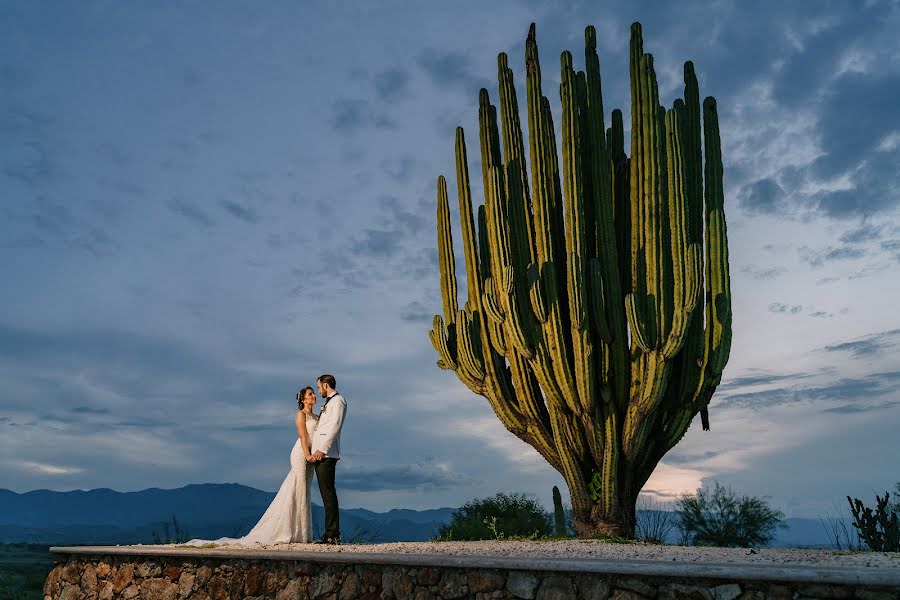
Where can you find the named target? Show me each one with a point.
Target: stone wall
(77, 577)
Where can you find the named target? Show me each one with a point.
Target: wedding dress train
(289, 517)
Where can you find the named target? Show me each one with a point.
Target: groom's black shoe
(329, 540)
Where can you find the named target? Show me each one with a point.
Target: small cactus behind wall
(559, 515)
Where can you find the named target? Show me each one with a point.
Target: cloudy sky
(205, 205)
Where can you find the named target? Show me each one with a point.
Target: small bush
(498, 517)
(654, 521)
(718, 517)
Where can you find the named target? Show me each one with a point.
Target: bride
(289, 517)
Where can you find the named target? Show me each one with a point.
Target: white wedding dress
(288, 520)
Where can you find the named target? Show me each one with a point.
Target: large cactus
(585, 327)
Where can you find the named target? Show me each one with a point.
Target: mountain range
(209, 511)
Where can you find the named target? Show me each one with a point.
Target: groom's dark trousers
(325, 476)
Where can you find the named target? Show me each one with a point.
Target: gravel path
(596, 549)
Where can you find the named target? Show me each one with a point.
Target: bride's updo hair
(301, 394)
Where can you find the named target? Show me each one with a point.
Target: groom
(326, 450)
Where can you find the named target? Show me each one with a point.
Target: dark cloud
(869, 346)
(258, 428)
(779, 307)
(861, 391)
(763, 274)
(892, 246)
(189, 211)
(451, 69)
(848, 409)
(238, 211)
(89, 410)
(377, 242)
(761, 197)
(420, 476)
(817, 258)
(866, 232)
(397, 216)
(416, 311)
(758, 379)
(351, 114)
(392, 83)
(399, 169)
(821, 314)
(674, 458)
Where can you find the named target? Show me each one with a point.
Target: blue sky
(205, 205)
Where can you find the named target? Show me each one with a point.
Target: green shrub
(718, 517)
(498, 517)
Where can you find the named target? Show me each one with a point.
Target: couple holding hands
(288, 519)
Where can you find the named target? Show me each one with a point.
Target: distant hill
(105, 516)
(212, 510)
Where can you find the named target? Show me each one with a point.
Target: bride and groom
(317, 449)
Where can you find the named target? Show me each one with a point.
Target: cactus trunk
(598, 317)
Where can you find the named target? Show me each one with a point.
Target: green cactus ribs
(597, 322)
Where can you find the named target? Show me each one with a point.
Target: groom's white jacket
(327, 437)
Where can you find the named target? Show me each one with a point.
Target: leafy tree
(718, 517)
(498, 517)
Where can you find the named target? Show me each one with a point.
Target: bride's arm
(300, 422)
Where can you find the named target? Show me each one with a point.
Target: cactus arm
(474, 275)
(440, 340)
(598, 301)
(575, 239)
(681, 255)
(445, 253)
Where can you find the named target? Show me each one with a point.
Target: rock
(89, 581)
(592, 588)
(818, 590)
(452, 585)
(253, 580)
(403, 585)
(870, 594)
(158, 589)
(752, 595)
(779, 592)
(290, 592)
(217, 587)
(130, 592)
(123, 578)
(387, 581)
(72, 572)
(106, 592)
(370, 577)
(148, 569)
(636, 585)
(103, 569)
(424, 594)
(726, 592)
(204, 574)
(522, 585)
(627, 595)
(428, 576)
(70, 592)
(556, 588)
(186, 583)
(485, 581)
(53, 580)
(322, 584)
(680, 591)
(172, 572)
(350, 589)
